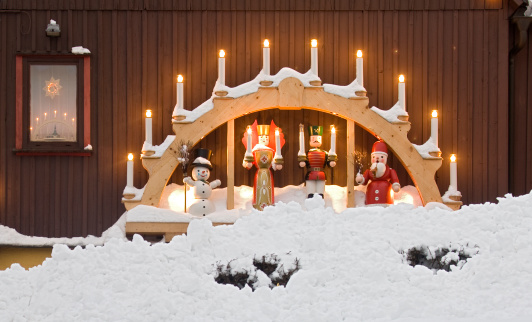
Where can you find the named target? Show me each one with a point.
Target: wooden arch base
(291, 94)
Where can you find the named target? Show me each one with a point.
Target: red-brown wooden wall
(454, 55)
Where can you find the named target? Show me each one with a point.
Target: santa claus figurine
(201, 171)
(381, 178)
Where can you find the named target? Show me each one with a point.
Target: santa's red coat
(379, 189)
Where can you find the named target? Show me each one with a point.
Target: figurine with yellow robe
(263, 149)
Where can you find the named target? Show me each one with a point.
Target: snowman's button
(376, 191)
(377, 198)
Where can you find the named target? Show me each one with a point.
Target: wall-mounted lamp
(53, 29)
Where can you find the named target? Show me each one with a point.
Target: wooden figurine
(315, 160)
(263, 149)
(201, 170)
(381, 178)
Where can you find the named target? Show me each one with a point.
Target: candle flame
(179, 78)
(148, 113)
(31, 128)
(314, 43)
(333, 129)
(453, 158)
(266, 43)
(249, 130)
(222, 53)
(65, 114)
(130, 157)
(73, 119)
(277, 131)
(401, 78)
(37, 119)
(434, 113)
(359, 53)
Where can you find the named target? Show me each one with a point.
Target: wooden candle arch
(291, 94)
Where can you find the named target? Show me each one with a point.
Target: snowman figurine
(201, 170)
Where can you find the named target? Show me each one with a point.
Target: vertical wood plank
(231, 164)
(350, 164)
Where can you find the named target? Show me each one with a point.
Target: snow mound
(351, 269)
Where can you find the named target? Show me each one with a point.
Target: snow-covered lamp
(360, 68)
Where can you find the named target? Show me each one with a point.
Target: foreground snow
(351, 269)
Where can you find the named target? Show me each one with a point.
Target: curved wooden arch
(291, 94)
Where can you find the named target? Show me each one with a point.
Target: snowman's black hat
(202, 158)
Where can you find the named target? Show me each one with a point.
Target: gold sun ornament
(52, 87)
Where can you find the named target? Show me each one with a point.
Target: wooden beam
(231, 164)
(350, 164)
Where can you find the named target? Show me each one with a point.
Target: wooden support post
(350, 164)
(230, 164)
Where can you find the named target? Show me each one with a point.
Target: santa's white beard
(378, 169)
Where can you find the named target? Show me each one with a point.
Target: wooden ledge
(166, 229)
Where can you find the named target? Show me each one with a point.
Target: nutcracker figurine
(263, 149)
(383, 178)
(315, 160)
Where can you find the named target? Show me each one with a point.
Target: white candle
(333, 140)
(360, 68)
(402, 92)
(221, 67)
(314, 57)
(277, 143)
(453, 170)
(266, 58)
(179, 91)
(434, 127)
(248, 150)
(148, 127)
(130, 170)
(301, 140)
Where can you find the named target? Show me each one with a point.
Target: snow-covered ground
(351, 269)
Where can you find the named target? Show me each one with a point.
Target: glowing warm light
(401, 78)
(453, 158)
(276, 131)
(314, 43)
(179, 78)
(434, 113)
(31, 128)
(266, 43)
(246, 192)
(73, 119)
(148, 113)
(222, 53)
(359, 53)
(333, 129)
(55, 113)
(249, 129)
(37, 120)
(130, 157)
